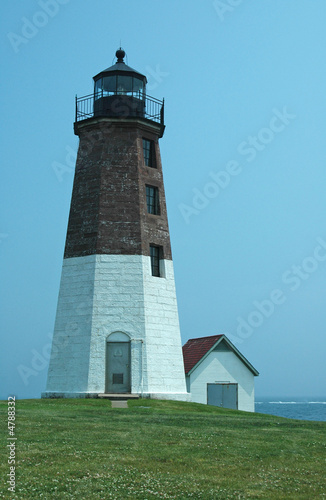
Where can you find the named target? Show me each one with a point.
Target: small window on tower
(152, 198)
(156, 253)
(149, 153)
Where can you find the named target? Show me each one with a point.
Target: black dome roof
(120, 67)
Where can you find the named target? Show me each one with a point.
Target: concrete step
(118, 397)
(119, 404)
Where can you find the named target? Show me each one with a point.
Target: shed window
(152, 198)
(149, 153)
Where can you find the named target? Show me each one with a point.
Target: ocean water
(300, 408)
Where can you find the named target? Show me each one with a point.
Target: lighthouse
(117, 327)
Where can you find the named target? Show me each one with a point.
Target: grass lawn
(84, 449)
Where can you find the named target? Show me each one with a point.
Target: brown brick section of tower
(108, 213)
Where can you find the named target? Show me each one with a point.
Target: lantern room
(120, 93)
(119, 90)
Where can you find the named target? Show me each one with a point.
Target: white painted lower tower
(110, 298)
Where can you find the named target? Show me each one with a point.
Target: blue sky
(244, 168)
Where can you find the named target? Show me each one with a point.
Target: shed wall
(222, 367)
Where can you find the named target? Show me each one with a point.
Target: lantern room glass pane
(118, 84)
(109, 84)
(138, 85)
(98, 88)
(124, 84)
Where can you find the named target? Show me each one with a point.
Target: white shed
(218, 374)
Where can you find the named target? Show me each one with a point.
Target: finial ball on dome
(120, 53)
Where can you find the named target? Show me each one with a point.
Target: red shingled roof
(195, 349)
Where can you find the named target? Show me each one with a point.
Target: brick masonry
(108, 213)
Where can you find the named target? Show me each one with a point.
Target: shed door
(118, 367)
(223, 395)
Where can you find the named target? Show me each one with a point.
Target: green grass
(85, 449)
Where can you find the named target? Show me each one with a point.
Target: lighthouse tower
(117, 327)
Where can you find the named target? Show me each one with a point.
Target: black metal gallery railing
(120, 105)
